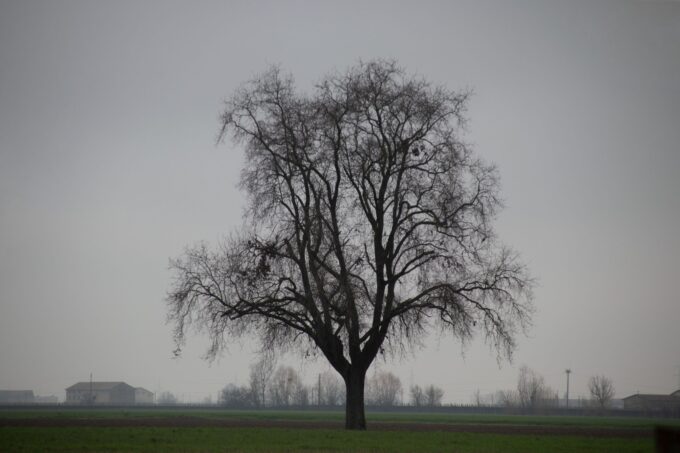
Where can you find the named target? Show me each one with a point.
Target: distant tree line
(166, 399)
(282, 386)
(429, 396)
(533, 393)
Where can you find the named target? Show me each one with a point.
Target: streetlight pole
(568, 371)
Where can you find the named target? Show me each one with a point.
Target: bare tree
(236, 396)
(429, 396)
(477, 399)
(260, 374)
(507, 398)
(433, 395)
(417, 396)
(369, 222)
(532, 390)
(384, 389)
(301, 394)
(285, 384)
(602, 390)
(166, 399)
(493, 399)
(332, 391)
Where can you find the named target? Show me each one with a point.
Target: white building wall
(143, 396)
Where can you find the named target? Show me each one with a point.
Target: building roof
(672, 397)
(16, 392)
(86, 386)
(142, 389)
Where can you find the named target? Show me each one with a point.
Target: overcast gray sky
(108, 167)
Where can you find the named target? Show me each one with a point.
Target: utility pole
(318, 391)
(568, 371)
(91, 396)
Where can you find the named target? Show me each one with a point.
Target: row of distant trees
(532, 392)
(271, 386)
(282, 386)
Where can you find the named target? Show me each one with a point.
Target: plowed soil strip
(199, 422)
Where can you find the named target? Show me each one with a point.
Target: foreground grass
(262, 440)
(301, 415)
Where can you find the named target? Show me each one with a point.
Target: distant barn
(16, 397)
(100, 393)
(107, 393)
(653, 403)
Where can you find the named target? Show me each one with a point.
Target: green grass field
(213, 439)
(294, 440)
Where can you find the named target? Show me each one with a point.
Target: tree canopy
(369, 221)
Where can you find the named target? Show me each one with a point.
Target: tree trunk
(355, 417)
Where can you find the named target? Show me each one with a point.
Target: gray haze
(108, 167)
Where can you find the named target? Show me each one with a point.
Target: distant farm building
(654, 403)
(107, 393)
(100, 393)
(143, 396)
(16, 397)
